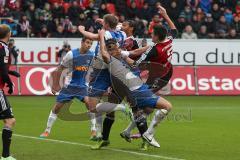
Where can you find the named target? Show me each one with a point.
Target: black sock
(107, 125)
(6, 140)
(141, 123)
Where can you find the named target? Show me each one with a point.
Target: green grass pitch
(199, 128)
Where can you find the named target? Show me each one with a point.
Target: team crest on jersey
(81, 68)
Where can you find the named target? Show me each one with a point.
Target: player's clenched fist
(162, 10)
(101, 32)
(81, 28)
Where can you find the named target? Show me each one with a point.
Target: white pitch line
(111, 149)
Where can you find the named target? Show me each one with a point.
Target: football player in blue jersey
(100, 77)
(76, 63)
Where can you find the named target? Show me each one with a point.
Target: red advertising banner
(209, 80)
(182, 81)
(34, 80)
(206, 80)
(218, 80)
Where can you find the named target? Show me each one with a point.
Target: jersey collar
(3, 43)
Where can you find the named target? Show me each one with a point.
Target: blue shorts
(143, 97)
(71, 92)
(100, 82)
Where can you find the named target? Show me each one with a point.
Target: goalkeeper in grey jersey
(125, 82)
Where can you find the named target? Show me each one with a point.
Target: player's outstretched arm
(129, 61)
(104, 53)
(138, 52)
(164, 14)
(172, 26)
(88, 34)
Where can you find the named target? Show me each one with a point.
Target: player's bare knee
(10, 122)
(148, 110)
(56, 109)
(92, 109)
(168, 106)
(91, 105)
(164, 104)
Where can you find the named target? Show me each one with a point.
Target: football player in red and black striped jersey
(157, 60)
(158, 56)
(5, 109)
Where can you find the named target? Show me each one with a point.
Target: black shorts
(5, 108)
(157, 83)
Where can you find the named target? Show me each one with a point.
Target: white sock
(99, 124)
(158, 117)
(130, 127)
(92, 121)
(51, 119)
(107, 107)
(120, 107)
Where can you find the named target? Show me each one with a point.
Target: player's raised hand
(55, 89)
(53, 92)
(162, 10)
(101, 33)
(81, 29)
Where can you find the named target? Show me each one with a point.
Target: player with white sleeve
(100, 76)
(127, 82)
(76, 62)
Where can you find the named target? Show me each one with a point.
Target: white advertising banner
(186, 52)
(41, 51)
(206, 52)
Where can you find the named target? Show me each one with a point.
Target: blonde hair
(4, 31)
(111, 20)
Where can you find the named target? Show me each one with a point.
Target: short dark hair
(132, 24)
(4, 31)
(111, 43)
(85, 38)
(111, 20)
(160, 31)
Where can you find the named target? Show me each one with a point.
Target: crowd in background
(59, 18)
